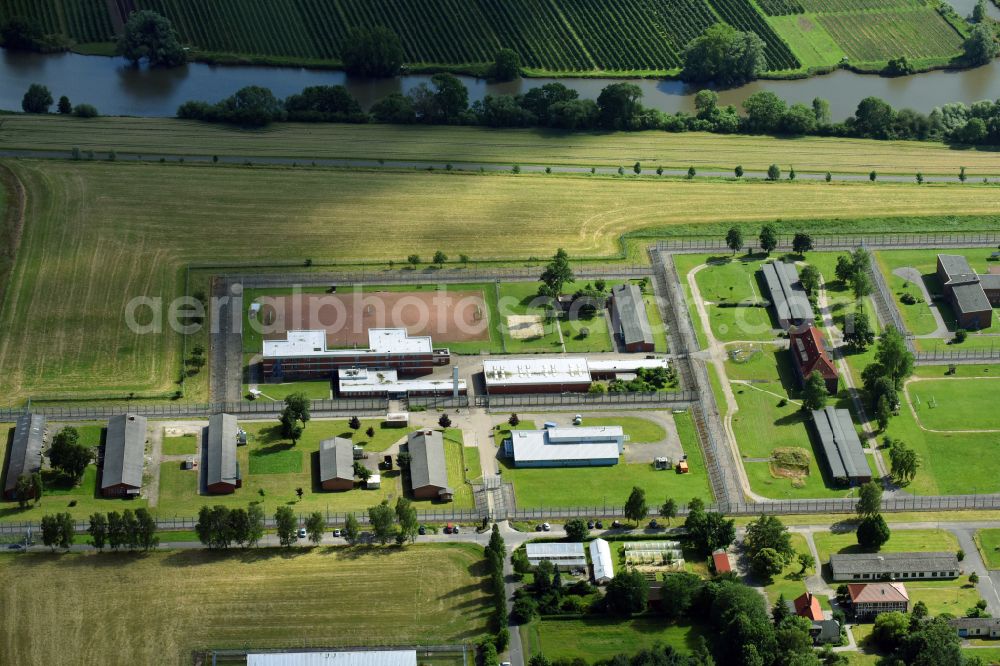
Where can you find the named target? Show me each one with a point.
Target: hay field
(158, 608)
(149, 136)
(98, 234)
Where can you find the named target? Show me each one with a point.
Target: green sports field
(955, 404)
(153, 136)
(98, 235)
(160, 607)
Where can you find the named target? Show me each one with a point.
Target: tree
(680, 590)
(724, 55)
(444, 421)
(767, 563)
(765, 111)
(872, 175)
(116, 530)
(869, 500)
(882, 413)
(28, 487)
(981, 46)
(692, 172)
(768, 238)
(440, 257)
(637, 168)
(780, 610)
(974, 578)
(935, 643)
(918, 614)
(668, 509)
(255, 524)
(920, 178)
(738, 171)
(64, 107)
(51, 530)
(354, 423)
(146, 530)
(576, 530)
(873, 532)
(130, 529)
(821, 110)
(513, 421)
(352, 530)
(37, 99)
(315, 526)
(806, 561)
(362, 472)
(814, 392)
(961, 174)
(770, 533)
(708, 531)
(406, 514)
(979, 12)
(23, 34)
(802, 243)
(635, 505)
(810, 277)
(773, 172)
(618, 105)
(69, 456)
(285, 524)
(370, 432)
(874, 119)
(372, 52)
(627, 593)
(734, 239)
(506, 65)
(98, 530)
(150, 36)
(381, 519)
(890, 629)
(556, 274)
(449, 99)
(294, 416)
(324, 103)
(892, 356)
(904, 461)
(858, 332)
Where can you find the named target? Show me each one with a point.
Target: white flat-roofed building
(537, 375)
(364, 382)
(594, 446)
(359, 658)
(562, 555)
(611, 368)
(600, 558)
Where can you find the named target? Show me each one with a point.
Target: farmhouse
(428, 470)
(336, 464)
(363, 382)
(360, 658)
(305, 355)
(972, 296)
(845, 457)
(870, 599)
(600, 558)
(222, 468)
(25, 456)
(976, 627)
(593, 446)
(124, 451)
(789, 298)
(628, 316)
(562, 555)
(893, 566)
(807, 606)
(809, 355)
(559, 374)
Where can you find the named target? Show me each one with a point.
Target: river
(115, 88)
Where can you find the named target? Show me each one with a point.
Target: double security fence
(845, 241)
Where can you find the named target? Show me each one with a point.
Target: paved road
(463, 166)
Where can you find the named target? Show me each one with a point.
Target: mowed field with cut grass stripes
(305, 142)
(158, 608)
(100, 234)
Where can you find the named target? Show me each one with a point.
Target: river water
(115, 88)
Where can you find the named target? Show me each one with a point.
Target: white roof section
(627, 364)
(380, 341)
(536, 446)
(526, 371)
(600, 556)
(566, 554)
(364, 380)
(584, 434)
(361, 658)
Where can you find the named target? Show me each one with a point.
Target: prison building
(359, 658)
(558, 374)
(25, 456)
(602, 562)
(593, 446)
(841, 446)
(369, 383)
(336, 464)
(788, 296)
(124, 452)
(870, 599)
(628, 317)
(428, 469)
(305, 355)
(562, 555)
(623, 368)
(976, 627)
(809, 355)
(971, 295)
(894, 566)
(222, 467)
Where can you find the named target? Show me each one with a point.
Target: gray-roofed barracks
(428, 469)
(628, 314)
(841, 445)
(790, 300)
(972, 296)
(25, 451)
(893, 566)
(222, 468)
(336, 464)
(124, 453)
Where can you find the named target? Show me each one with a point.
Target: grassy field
(180, 446)
(900, 542)
(955, 404)
(638, 430)
(189, 600)
(988, 540)
(149, 136)
(592, 638)
(790, 582)
(62, 341)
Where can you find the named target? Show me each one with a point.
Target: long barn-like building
(222, 466)
(124, 452)
(845, 457)
(25, 452)
(789, 298)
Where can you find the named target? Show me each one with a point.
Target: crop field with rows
(743, 16)
(787, 7)
(83, 20)
(867, 37)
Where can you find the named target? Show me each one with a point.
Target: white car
(302, 533)
(546, 527)
(337, 533)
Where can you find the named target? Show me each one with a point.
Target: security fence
(438, 402)
(846, 241)
(957, 355)
(678, 399)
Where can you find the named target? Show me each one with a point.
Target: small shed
(374, 482)
(397, 419)
(600, 558)
(720, 560)
(682, 467)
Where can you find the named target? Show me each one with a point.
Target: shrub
(85, 111)
(960, 335)
(908, 299)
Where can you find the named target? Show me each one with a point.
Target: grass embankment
(592, 638)
(190, 600)
(988, 540)
(86, 252)
(154, 136)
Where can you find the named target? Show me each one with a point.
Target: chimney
(454, 381)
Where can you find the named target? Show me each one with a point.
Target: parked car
(615, 525)
(538, 527)
(302, 533)
(447, 528)
(338, 533)
(546, 527)
(421, 530)
(590, 524)
(653, 525)
(15, 546)
(599, 524)
(454, 529)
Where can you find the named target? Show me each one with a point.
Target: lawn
(278, 392)
(901, 541)
(521, 299)
(597, 637)
(191, 600)
(638, 430)
(988, 540)
(790, 582)
(180, 446)
(474, 144)
(86, 253)
(955, 404)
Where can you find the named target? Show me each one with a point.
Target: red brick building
(809, 355)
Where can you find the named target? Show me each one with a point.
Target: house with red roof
(870, 599)
(809, 355)
(807, 606)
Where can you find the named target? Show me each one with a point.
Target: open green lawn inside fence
(600, 637)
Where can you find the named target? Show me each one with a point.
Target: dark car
(599, 524)
(454, 530)
(653, 524)
(538, 527)
(447, 528)
(421, 530)
(590, 524)
(15, 546)
(615, 525)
